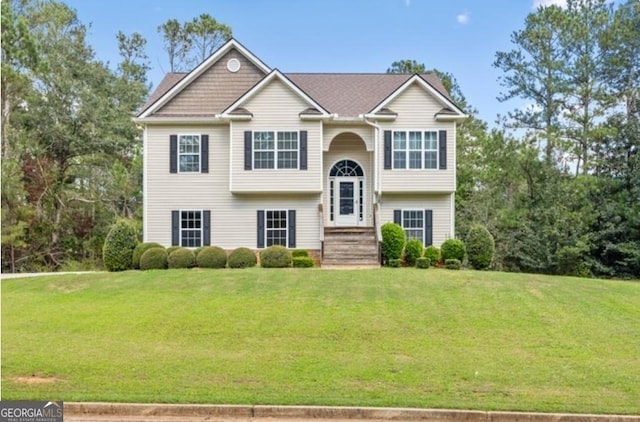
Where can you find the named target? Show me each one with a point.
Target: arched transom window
(346, 168)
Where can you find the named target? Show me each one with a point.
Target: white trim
(199, 153)
(427, 87)
(276, 150)
(201, 211)
(145, 185)
(230, 161)
(275, 74)
(286, 215)
(424, 222)
(195, 73)
(357, 193)
(180, 120)
(422, 150)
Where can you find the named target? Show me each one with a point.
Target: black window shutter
(303, 150)
(442, 138)
(248, 150)
(397, 217)
(428, 227)
(175, 228)
(173, 153)
(260, 228)
(206, 228)
(292, 228)
(387, 150)
(204, 153)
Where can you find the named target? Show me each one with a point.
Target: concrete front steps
(350, 247)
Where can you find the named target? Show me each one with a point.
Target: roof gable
(208, 88)
(275, 75)
(453, 111)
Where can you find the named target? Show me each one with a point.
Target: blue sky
(456, 36)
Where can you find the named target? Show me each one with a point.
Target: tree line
(556, 182)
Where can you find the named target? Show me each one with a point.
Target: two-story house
(239, 154)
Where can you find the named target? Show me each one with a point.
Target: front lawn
(388, 337)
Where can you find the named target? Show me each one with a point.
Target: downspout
(377, 189)
(145, 188)
(377, 186)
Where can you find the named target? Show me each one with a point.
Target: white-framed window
(276, 227)
(191, 228)
(276, 149)
(189, 153)
(414, 149)
(413, 224)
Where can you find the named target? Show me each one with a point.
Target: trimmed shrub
(154, 259)
(303, 262)
(275, 256)
(393, 240)
(139, 250)
(297, 253)
(395, 263)
(412, 251)
(242, 258)
(181, 258)
(119, 244)
(172, 248)
(423, 262)
(433, 254)
(212, 257)
(453, 264)
(452, 249)
(197, 250)
(480, 247)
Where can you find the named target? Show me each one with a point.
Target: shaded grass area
(387, 337)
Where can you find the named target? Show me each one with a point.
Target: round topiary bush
(181, 258)
(412, 251)
(139, 250)
(242, 258)
(172, 248)
(303, 262)
(119, 244)
(212, 257)
(452, 249)
(423, 262)
(393, 239)
(197, 250)
(433, 254)
(452, 264)
(275, 256)
(154, 259)
(480, 247)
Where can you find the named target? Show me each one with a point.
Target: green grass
(388, 337)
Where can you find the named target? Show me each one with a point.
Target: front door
(346, 195)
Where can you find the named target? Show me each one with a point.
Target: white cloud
(463, 18)
(545, 3)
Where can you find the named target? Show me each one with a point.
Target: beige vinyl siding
(439, 204)
(167, 191)
(366, 134)
(347, 146)
(215, 89)
(276, 108)
(416, 109)
(233, 217)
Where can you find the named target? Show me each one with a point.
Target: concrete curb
(81, 411)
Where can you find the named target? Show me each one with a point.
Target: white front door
(346, 193)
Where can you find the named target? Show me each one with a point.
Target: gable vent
(233, 65)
